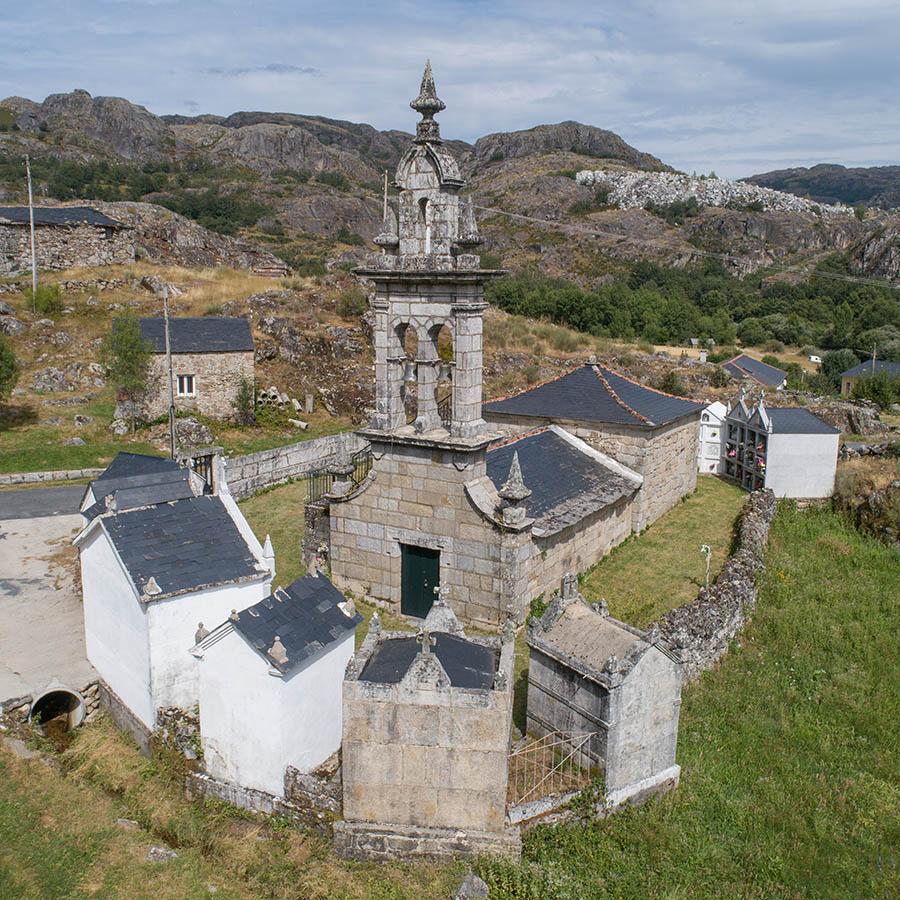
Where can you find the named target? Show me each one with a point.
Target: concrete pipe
(57, 701)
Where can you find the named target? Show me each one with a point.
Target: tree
(126, 358)
(9, 369)
(836, 361)
(245, 402)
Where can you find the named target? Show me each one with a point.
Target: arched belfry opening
(429, 281)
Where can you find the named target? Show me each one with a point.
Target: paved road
(41, 623)
(34, 503)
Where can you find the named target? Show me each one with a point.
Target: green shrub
(671, 383)
(244, 403)
(675, 213)
(9, 369)
(880, 388)
(353, 303)
(774, 346)
(718, 378)
(820, 384)
(214, 309)
(337, 180)
(755, 206)
(774, 361)
(563, 173)
(860, 211)
(491, 261)
(48, 299)
(346, 236)
(836, 361)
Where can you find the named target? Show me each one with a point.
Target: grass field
(664, 567)
(790, 781)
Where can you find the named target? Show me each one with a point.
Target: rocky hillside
(829, 183)
(309, 189)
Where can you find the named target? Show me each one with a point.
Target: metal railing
(557, 763)
(319, 483)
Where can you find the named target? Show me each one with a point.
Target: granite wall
(64, 247)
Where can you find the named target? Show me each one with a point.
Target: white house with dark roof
(788, 450)
(270, 681)
(210, 356)
(159, 557)
(744, 366)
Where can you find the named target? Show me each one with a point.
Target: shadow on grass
(13, 415)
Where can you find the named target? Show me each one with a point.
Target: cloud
(268, 69)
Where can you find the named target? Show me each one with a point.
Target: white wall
(253, 724)
(711, 442)
(801, 465)
(115, 626)
(172, 625)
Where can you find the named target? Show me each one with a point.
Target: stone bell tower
(426, 278)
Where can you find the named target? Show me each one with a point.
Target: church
(495, 514)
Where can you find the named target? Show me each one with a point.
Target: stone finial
(269, 555)
(200, 633)
(428, 105)
(234, 615)
(151, 588)
(467, 230)
(375, 624)
(342, 469)
(426, 640)
(390, 231)
(601, 608)
(611, 666)
(568, 587)
(514, 493)
(277, 651)
(348, 608)
(441, 595)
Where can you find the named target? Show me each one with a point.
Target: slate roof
(743, 366)
(304, 616)
(184, 546)
(468, 665)
(136, 480)
(566, 483)
(57, 215)
(593, 393)
(207, 334)
(865, 368)
(795, 420)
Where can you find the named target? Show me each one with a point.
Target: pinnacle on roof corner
(514, 488)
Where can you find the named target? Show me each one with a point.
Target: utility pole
(31, 226)
(171, 384)
(384, 211)
(874, 354)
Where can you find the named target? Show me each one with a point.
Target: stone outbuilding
(210, 356)
(653, 433)
(591, 674)
(786, 449)
(270, 685)
(867, 370)
(162, 552)
(426, 740)
(65, 237)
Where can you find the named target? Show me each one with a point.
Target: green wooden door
(420, 575)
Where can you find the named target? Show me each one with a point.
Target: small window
(185, 386)
(108, 233)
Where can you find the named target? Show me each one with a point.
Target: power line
(725, 257)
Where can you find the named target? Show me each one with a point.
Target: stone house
(426, 740)
(712, 439)
(788, 450)
(162, 551)
(867, 370)
(744, 366)
(210, 356)
(651, 432)
(65, 237)
(270, 685)
(591, 674)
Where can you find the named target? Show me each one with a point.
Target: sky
(738, 88)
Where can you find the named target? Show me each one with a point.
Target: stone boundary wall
(704, 628)
(878, 448)
(255, 471)
(58, 475)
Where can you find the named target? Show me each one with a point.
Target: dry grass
(860, 477)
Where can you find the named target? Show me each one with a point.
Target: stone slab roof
(57, 215)
(206, 334)
(743, 366)
(306, 617)
(467, 664)
(593, 393)
(183, 546)
(587, 636)
(865, 368)
(134, 480)
(795, 420)
(567, 479)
